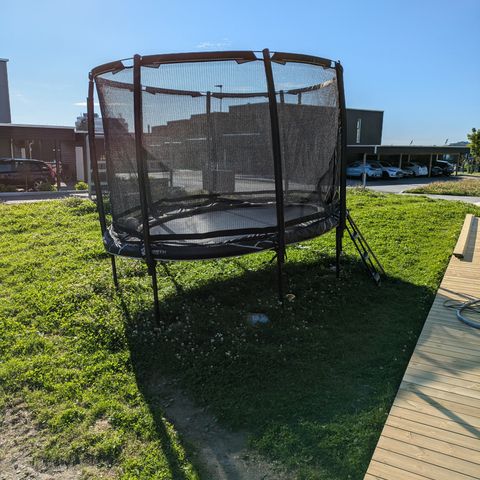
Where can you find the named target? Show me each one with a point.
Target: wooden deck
(433, 429)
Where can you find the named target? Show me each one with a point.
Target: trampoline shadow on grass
(310, 389)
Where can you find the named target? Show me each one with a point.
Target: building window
(359, 129)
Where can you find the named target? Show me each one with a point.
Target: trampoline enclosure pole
(93, 156)
(142, 177)
(343, 165)
(277, 165)
(96, 175)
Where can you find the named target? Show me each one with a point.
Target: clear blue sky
(418, 60)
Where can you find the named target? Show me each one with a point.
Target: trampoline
(218, 154)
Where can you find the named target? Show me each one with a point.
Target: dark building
(4, 96)
(364, 140)
(364, 127)
(239, 135)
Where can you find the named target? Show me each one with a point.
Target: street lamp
(220, 87)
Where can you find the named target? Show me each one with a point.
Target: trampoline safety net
(205, 130)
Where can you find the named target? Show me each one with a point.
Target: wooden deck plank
(437, 359)
(433, 428)
(436, 433)
(455, 465)
(437, 409)
(434, 382)
(468, 356)
(462, 246)
(384, 471)
(406, 396)
(414, 465)
(448, 336)
(448, 343)
(452, 347)
(453, 327)
(443, 369)
(436, 445)
(452, 397)
(441, 376)
(438, 421)
(454, 323)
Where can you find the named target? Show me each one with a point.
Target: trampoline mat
(236, 230)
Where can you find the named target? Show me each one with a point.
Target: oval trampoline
(218, 154)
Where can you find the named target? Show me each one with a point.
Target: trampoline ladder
(369, 260)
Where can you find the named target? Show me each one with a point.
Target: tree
(474, 139)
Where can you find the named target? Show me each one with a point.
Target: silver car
(389, 171)
(356, 169)
(418, 170)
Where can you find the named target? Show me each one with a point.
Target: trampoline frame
(239, 57)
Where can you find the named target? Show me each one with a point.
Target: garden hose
(461, 307)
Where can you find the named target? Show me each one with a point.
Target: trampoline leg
(153, 272)
(114, 272)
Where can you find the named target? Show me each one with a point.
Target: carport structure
(52, 144)
(405, 153)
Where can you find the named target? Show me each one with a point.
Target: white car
(389, 171)
(355, 169)
(418, 170)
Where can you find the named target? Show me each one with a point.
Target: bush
(81, 186)
(7, 188)
(46, 187)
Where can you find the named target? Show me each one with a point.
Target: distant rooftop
(365, 109)
(408, 149)
(23, 125)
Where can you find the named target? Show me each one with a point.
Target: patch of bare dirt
(221, 454)
(224, 455)
(19, 438)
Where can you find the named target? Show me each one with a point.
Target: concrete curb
(60, 194)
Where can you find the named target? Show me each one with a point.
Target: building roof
(23, 125)
(365, 110)
(408, 149)
(32, 132)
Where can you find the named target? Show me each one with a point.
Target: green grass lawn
(464, 186)
(312, 388)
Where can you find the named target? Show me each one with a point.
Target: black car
(436, 171)
(24, 173)
(447, 167)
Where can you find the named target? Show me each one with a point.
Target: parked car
(436, 171)
(24, 173)
(356, 169)
(447, 167)
(389, 171)
(418, 170)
